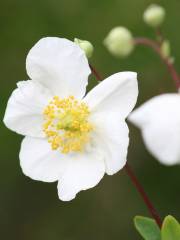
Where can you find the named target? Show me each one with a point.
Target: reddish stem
(96, 74)
(155, 46)
(134, 179)
(143, 194)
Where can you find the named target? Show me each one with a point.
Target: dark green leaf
(147, 228)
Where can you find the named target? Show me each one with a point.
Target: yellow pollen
(66, 124)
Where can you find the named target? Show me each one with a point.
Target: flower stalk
(157, 48)
(95, 73)
(133, 178)
(143, 194)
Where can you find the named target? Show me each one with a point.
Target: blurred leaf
(147, 228)
(170, 229)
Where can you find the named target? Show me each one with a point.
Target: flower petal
(39, 162)
(60, 65)
(24, 109)
(118, 93)
(84, 172)
(112, 137)
(159, 120)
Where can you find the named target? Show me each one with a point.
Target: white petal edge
(39, 162)
(159, 121)
(25, 107)
(112, 137)
(60, 65)
(118, 93)
(84, 171)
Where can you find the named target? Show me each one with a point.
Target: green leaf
(170, 229)
(147, 228)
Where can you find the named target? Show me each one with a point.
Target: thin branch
(155, 46)
(96, 74)
(143, 194)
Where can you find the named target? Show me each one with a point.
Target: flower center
(66, 124)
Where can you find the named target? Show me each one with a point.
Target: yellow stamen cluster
(66, 124)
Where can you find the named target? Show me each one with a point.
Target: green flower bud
(154, 15)
(165, 49)
(119, 42)
(86, 46)
(172, 60)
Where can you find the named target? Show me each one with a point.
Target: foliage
(149, 229)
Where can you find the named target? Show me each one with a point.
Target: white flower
(69, 137)
(159, 121)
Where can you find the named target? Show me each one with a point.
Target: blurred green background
(31, 210)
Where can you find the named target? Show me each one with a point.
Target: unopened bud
(119, 42)
(165, 49)
(86, 46)
(172, 60)
(154, 15)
